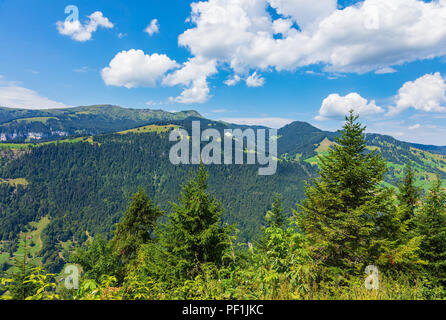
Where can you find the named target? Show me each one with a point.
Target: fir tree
(194, 234)
(409, 194)
(343, 206)
(137, 226)
(97, 259)
(23, 269)
(276, 216)
(431, 224)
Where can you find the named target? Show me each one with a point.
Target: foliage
(136, 228)
(431, 224)
(193, 236)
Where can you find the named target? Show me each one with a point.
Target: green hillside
(18, 125)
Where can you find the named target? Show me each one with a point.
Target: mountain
(19, 125)
(299, 140)
(79, 187)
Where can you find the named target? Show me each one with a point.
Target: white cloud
(241, 33)
(266, 122)
(81, 70)
(194, 75)
(255, 80)
(282, 26)
(153, 27)
(424, 133)
(369, 36)
(198, 92)
(336, 106)
(219, 111)
(152, 103)
(191, 70)
(304, 12)
(83, 32)
(415, 126)
(427, 94)
(232, 81)
(18, 97)
(133, 68)
(385, 70)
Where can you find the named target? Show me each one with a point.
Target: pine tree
(431, 224)
(409, 194)
(343, 206)
(194, 234)
(137, 226)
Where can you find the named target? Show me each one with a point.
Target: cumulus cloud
(198, 92)
(153, 27)
(427, 94)
(12, 96)
(305, 13)
(193, 75)
(282, 26)
(83, 32)
(134, 68)
(191, 70)
(336, 106)
(369, 36)
(255, 80)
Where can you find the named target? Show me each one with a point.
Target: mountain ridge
(31, 120)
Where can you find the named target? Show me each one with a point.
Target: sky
(266, 62)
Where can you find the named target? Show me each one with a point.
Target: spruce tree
(344, 204)
(409, 194)
(276, 216)
(194, 234)
(431, 224)
(136, 227)
(21, 289)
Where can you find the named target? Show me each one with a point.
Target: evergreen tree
(97, 259)
(136, 228)
(276, 216)
(344, 205)
(431, 224)
(21, 289)
(194, 234)
(409, 194)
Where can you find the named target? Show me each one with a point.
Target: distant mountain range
(20, 125)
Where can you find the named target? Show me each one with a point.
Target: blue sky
(248, 61)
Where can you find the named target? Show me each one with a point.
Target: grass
(21, 146)
(15, 182)
(36, 119)
(324, 146)
(4, 256)
(151, 128)
(315, 160)
(15, 145)
(34, 243)
(33, 240)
